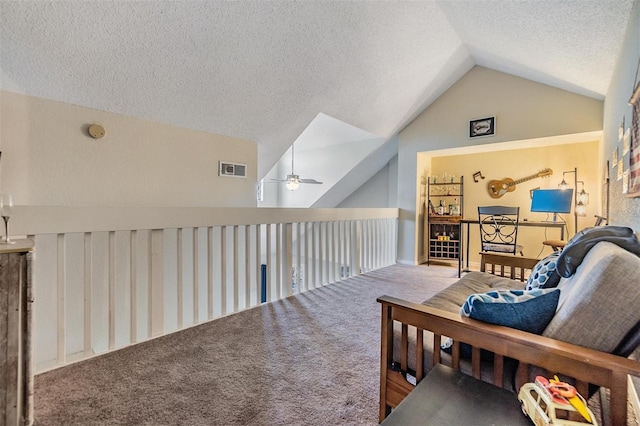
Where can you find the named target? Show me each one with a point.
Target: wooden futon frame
(585, 365)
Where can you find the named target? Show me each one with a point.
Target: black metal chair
(499, 229)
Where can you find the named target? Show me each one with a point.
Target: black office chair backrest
(499, 228)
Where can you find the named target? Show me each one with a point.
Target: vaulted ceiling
(263, 70)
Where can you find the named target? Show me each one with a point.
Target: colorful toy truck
(552, 402)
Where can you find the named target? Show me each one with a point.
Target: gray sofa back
(600, 304)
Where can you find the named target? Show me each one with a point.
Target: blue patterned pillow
(529, 311)
(544, 274)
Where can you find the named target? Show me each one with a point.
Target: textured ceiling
(264, 70)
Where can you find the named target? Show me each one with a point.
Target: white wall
(49, 159)
(379, 191)
(624, 211)
(329, 164)
(523, 110)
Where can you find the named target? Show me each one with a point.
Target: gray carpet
(311, 359)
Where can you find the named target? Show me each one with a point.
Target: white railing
(109, 277)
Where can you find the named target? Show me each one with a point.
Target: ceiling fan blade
(313, 181)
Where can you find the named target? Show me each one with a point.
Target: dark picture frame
(482, 127)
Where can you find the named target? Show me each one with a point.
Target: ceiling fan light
(292, 183)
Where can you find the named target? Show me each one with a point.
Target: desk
(449, 397)
(468, 222)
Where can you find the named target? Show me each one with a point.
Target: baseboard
(474, 266)
(633, 397)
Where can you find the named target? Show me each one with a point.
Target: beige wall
(523, 110)
(49, 159)
(517, 164)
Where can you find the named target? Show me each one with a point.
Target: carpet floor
(310, 359)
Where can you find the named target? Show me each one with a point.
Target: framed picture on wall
(626, 142)
(620, 171)
(482, 127)
(634, 156)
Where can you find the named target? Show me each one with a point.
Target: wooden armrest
(583, 364)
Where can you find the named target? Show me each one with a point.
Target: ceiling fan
(293, 181)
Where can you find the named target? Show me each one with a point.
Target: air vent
(232, 169)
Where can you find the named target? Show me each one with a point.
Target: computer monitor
(552, 201)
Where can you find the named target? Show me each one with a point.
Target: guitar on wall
(497, 188)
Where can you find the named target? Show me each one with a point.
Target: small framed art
(482, 127)
(626, 142)
(633, 188)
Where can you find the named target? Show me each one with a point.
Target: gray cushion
(453, 297)
(502, 248)
(601, 300)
